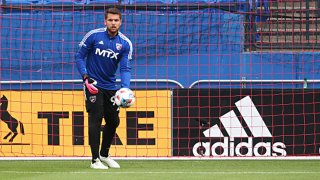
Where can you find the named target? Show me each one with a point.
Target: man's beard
(113, 30)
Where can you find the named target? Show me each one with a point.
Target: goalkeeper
(100, 53)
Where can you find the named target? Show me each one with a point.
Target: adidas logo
(232, 125)
(101, 42)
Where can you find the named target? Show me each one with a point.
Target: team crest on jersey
(93, 99)
(119, 46)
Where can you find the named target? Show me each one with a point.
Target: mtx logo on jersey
(232, 125)
(107, 52)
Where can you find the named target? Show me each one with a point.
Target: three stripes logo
(238, 142)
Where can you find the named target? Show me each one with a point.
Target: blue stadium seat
(151, 1)
(193, 1)
(230, 1)
(102, 2)
(21, 2)
(125, 1)
(64, 2)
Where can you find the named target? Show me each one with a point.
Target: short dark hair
(112, 11)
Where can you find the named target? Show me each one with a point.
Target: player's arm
(125, 66)
(84, 47)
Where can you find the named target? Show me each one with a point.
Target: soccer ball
(124, 98)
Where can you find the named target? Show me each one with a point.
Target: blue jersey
(99, 56)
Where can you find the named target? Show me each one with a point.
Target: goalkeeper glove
(89, 82)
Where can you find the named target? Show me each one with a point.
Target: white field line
(172, 158)
(160, 172)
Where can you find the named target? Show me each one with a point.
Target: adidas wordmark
(234, 129)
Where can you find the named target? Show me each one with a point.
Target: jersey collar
(110, 36)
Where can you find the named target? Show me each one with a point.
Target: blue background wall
(182, 46)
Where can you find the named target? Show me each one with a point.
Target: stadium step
(278, 37)
(293, 36)
(291, 23)
(296, 13)
(291, 4)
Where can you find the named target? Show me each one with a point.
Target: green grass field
(163, 169)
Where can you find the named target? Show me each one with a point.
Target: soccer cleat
(98, 165)
(110, 162)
